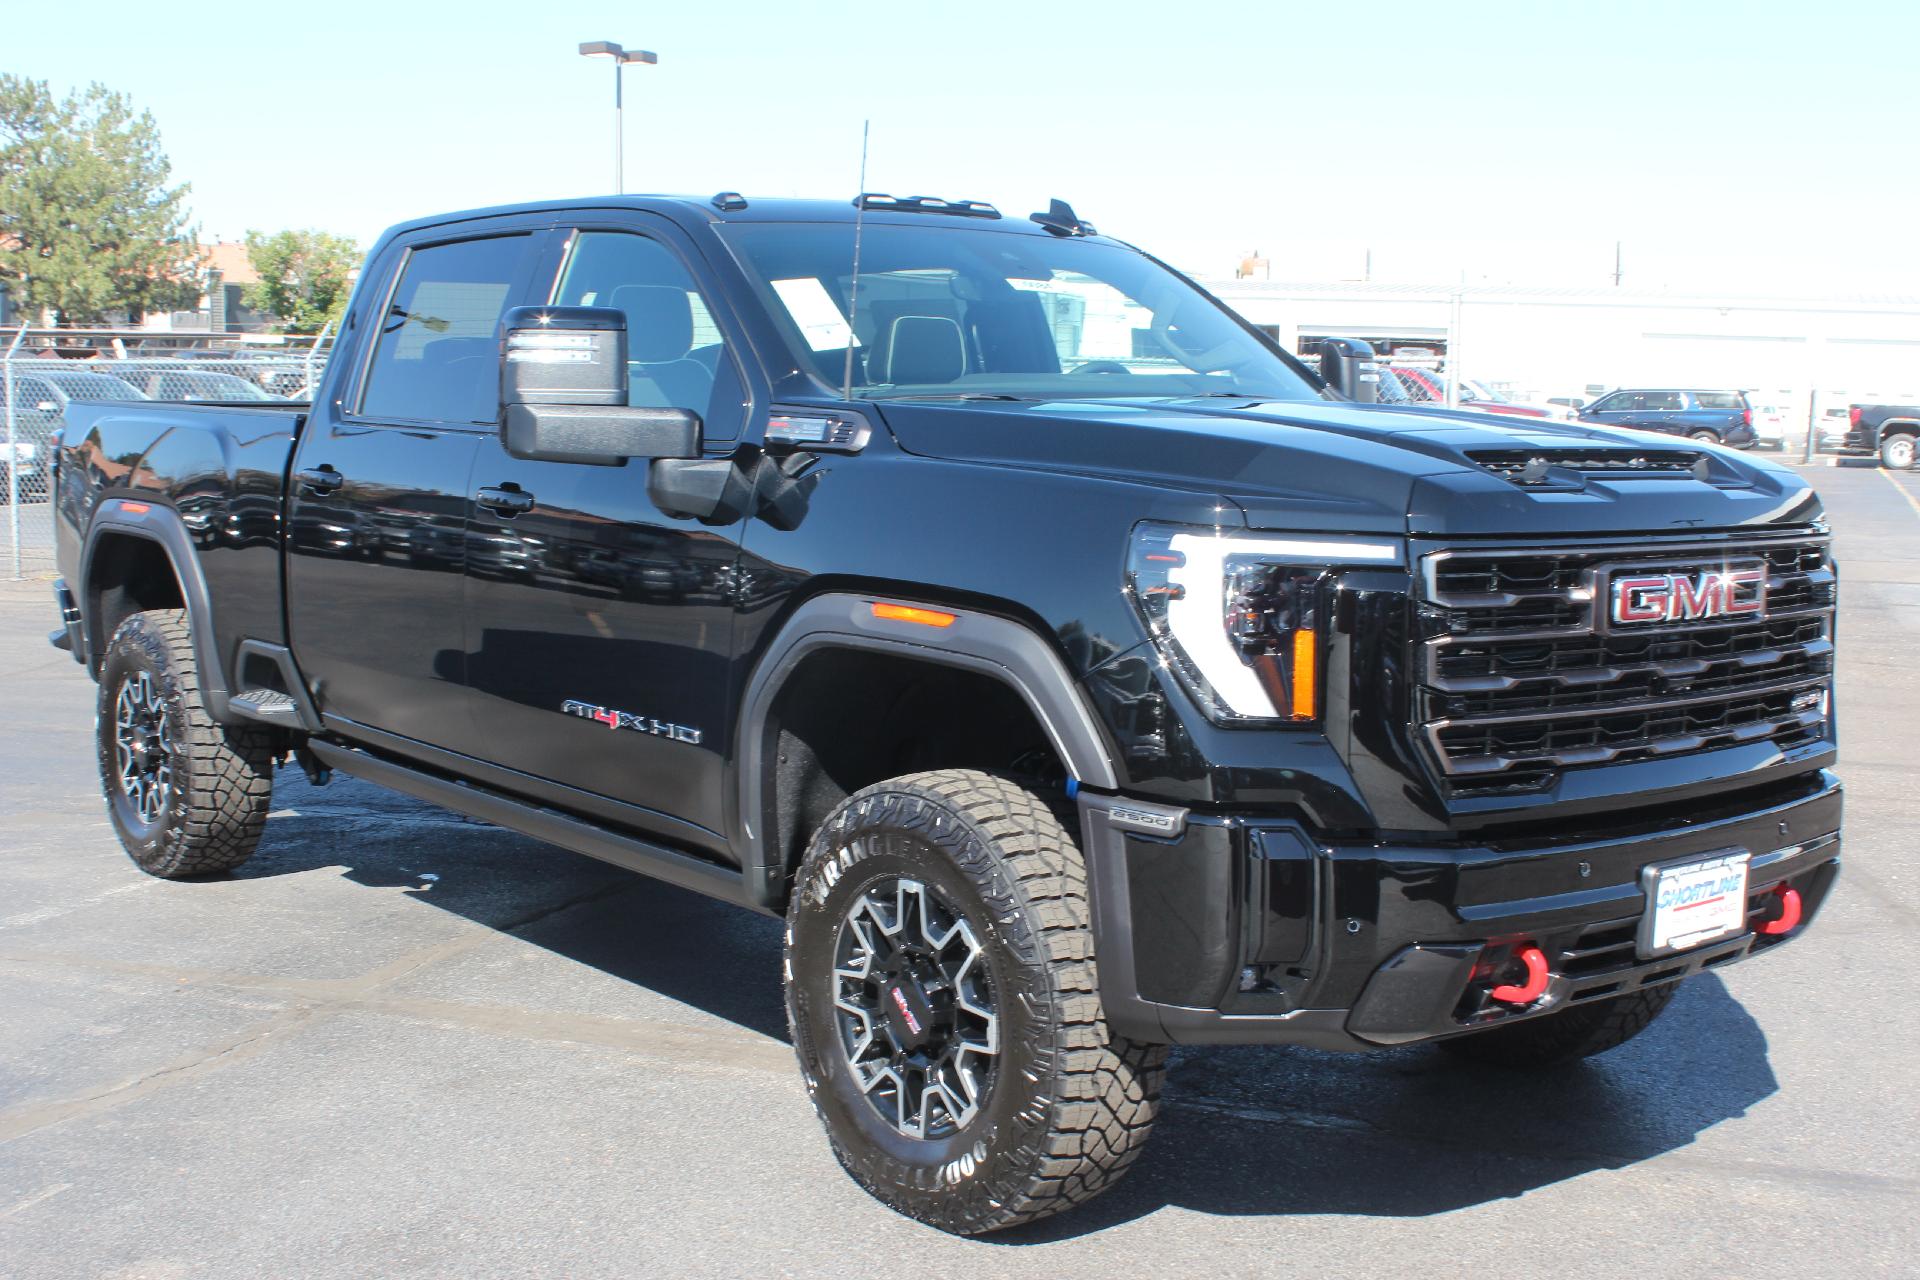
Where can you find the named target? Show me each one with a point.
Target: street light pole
(621, 57)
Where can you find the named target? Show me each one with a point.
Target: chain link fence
(43, 372)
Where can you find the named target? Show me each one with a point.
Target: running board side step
(288, 710)
(549, 825)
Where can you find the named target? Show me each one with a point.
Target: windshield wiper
(952, 395)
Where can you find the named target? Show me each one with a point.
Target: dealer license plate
(1694, 902)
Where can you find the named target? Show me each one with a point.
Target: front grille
(1521, 679)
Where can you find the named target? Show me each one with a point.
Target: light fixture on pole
(621, 57)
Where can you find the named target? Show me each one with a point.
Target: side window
(1716, 400)
(1612, 404)
(437, 357)
(1663, 401)
(676, 354)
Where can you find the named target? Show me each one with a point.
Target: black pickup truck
(1888, 430)
(1075, 671)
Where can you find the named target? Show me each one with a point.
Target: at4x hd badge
(628, 720)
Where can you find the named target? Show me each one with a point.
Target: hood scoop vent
(1571, 468)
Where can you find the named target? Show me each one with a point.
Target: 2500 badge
(628, 720)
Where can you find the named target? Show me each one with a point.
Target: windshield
(962, 311)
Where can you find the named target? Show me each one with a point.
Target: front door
(379, 495)
(600, 631)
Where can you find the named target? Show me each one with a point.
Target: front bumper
(1240, 930)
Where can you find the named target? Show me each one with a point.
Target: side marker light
(908, 613)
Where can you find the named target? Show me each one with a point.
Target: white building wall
(1541, 343)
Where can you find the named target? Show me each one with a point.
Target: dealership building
(1536, 342)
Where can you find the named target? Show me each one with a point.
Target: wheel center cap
(908, 1013)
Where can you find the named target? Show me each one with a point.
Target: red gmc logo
(1676, 597)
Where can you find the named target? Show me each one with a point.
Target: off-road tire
(1897, 451)
(221, 776)
(1567, 1036)
(1070, 1104)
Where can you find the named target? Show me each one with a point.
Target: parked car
(1393, 728)
(1428, 386)
(1769, 425)
(1888, 430)
(42, 391)
(1836, 425)
(1711, 417)
(172, 382)
(1489, 400)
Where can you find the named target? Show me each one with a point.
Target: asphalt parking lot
(403, 1043)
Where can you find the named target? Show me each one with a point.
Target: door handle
(321, 480)
(505, 502)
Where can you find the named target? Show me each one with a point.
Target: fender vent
(1564, 468)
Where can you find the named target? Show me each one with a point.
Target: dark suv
(1711, 417)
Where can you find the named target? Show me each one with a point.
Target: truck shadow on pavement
(1258, 1131)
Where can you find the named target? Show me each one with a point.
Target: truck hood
(1366, 469)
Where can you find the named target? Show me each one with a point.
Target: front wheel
(943, 1002)
(187, 796)
(1896, 452)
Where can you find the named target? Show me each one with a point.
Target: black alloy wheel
(915, 1008)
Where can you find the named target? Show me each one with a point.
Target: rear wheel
(187, 797)
(1704, 436)
(1897, 452)
(1567, 1036)
(942, 998)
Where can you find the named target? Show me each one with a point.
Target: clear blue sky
(1728, 144)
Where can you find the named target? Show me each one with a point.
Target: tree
(88, 224)
(305, 277)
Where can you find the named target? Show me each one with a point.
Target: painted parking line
(1902, 490)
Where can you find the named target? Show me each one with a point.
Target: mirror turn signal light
(1789, 917)
(1534, 987)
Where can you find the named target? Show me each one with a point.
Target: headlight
(1242, 620)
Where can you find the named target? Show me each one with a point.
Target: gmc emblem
(1637, 598)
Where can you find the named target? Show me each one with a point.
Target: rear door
(379, 499)
(601, 631)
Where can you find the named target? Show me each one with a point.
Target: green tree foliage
(305, 277)
(88, 224)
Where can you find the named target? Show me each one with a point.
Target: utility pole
(1616, 264)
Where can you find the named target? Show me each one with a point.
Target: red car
(1425, 385)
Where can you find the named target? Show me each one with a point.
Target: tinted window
(437, 356)
(673, 346)
(1717, 400)
(1612, 404)
(1660, 401)
(949, 308)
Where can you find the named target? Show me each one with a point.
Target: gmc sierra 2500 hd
(1075, 671)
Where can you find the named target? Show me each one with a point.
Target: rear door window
(1660, 402)
(436, 358)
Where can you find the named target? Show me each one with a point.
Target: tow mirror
(1347, 365)
(563, 392)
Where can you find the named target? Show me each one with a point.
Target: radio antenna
(853, 293)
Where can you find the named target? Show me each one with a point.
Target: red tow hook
(1537, 978)
(1789, 916)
